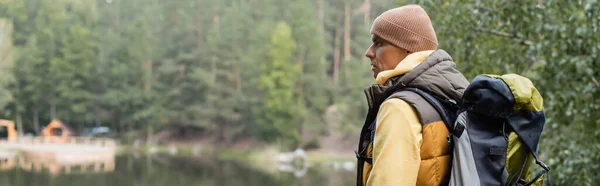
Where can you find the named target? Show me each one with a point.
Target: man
(403, 140)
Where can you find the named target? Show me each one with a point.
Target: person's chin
(375, 74)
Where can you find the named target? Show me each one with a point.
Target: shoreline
(314, 156)
(265, 159)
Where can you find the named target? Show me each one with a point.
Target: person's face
(384, 56)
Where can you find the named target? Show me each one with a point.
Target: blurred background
(257, 92)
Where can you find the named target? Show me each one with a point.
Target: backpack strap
(424, 103)
(363, 158)
(426, 112)
(438, 104)
(544, 172)
(361, 155)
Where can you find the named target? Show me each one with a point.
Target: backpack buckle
(450, 142)
(363, 158)
(458, 130)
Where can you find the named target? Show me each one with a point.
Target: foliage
(271, 69)
(555, 44)
(277, 112)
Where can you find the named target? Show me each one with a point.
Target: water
(166, 170)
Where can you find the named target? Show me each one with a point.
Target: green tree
(72, 74)
(278, 114)
(310, 92)
(7, 53)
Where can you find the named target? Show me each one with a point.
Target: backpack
(494, 131)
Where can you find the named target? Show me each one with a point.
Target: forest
(282, 71)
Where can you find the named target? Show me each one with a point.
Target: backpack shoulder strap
(423, 109)
(434, 109)
(428, 107)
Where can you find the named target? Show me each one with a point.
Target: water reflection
(165, 170)
(55, 167)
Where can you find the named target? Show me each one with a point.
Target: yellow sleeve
(396, 146)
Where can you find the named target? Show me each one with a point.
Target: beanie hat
(407, 27)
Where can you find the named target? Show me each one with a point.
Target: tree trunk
(300, 121)
(53, 109)
(36, 122)
(300, 95)
(321, 16)
(238, 76)
(367, 16)
(118, 17)
(347, 27)
(147, 65)
(336, 50)
(119, 124)
(19, 124)
(148, 71)
(213, 72)
(301, 69)
(96, 116)
(222, 129)
(129, 127)
(150, 134)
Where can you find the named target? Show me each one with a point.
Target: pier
(58, 154)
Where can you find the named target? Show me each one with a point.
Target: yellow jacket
(399, 155)
(397, 145)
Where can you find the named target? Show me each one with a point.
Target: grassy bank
(267, 156)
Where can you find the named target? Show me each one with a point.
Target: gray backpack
(493, 131)
(496, 134)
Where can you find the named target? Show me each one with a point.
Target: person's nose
(370, 53)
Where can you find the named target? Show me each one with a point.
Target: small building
(10, 129)
(58, 128)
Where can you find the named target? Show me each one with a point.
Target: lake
(166, 170)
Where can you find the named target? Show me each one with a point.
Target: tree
(73, 74)
(311, 90)
(7, 53)
(278, 117)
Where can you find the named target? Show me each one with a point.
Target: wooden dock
(59, 155)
